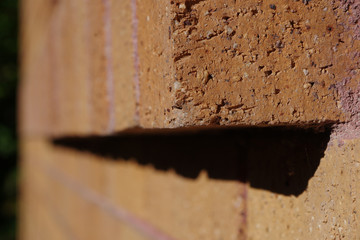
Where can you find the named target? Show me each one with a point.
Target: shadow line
(278, 159)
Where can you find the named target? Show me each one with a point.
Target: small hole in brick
(225, 18)
(215, 120)
(268, 73)
(292, 64)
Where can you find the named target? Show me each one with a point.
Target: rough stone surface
(348, 88)
(252, 63)
(106, 66)
(99, 67)
(352, 8)
(350, 103)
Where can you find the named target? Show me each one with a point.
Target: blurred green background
(8, 140)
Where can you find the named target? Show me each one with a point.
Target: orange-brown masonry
(105, 66)
(98, 67)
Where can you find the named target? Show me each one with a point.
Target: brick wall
(189, 119)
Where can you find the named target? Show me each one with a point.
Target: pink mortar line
(54, 83)
(135, 26)
(109, 66)
(89, 84)
(55, 26)
(116, 211)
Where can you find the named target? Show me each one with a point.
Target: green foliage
(8, 140)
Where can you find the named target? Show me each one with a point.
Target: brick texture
(105, 66)
(123, 69)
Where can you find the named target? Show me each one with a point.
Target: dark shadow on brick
(278, 159)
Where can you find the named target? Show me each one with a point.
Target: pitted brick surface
(256, 63)
(169, 64)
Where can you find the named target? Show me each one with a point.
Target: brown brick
(53, 209)
(72, 83)
(246, 63)
(104, 66)
(328, 208)
(77, 185)
(99, 67)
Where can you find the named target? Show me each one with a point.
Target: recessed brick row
(244, 185)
